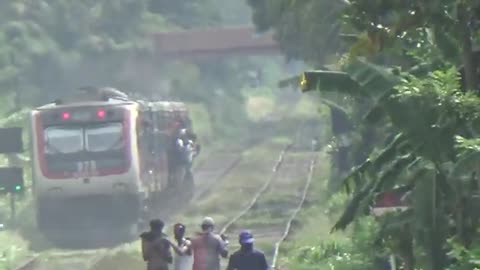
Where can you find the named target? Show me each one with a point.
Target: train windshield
(85, 148)
(104, 138)
(63, 140)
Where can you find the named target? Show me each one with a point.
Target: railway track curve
(294, 171)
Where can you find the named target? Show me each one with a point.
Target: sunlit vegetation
(402, 87)
(50, 48)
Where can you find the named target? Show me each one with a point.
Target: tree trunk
(408, 250)
(469, 64)
(437, 236)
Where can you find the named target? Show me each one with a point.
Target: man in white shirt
(183, 260)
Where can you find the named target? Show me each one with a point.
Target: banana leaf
(360, 79)
(332, 81)
(364, 198)
(352, 208)
(467, 163)
(378, 112)
(292, 81)
(343, 121)
(373, 79)
(386, 155)
(391, 174)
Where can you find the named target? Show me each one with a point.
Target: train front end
(85, 166)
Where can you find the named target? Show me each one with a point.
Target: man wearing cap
(247, 258)
(208, 247)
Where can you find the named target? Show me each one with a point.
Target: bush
(357, 251)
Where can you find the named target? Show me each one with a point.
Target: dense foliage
(408, 73)
(50, 47)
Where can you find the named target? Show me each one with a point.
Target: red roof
(214, 40)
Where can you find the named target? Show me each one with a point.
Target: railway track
(279, 201)
(255, 198)
(208, 174)
(85, 260)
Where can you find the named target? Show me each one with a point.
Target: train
(98, 157)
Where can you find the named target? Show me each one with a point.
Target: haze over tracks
(210, 173)
(270, 214)
(78, 260)
(218, 165)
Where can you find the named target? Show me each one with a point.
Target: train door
(144, 142)
(160, 149)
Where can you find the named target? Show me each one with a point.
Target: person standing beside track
(207, 247)
(183, 258)
(156, 247)
(247, 258)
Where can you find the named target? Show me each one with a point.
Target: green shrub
(356, 251)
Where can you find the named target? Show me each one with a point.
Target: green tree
(430, 124)
(187, 13)
(313, 22)
(49, 47)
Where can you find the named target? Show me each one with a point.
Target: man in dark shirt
(156, 247)
(247, 258)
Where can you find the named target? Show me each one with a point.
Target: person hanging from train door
(247, 257)
(175, 157)
(183, 259)
(156, 247)
(189, 151)
(208, 247)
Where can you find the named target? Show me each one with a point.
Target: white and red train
(97, 158)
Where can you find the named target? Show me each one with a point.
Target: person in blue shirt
(247, 258)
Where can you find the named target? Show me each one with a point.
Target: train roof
(91, 96)
(179, 105)
(168, 106)
(88, 103)
(161, 106)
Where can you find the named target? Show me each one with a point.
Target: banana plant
(424, 154)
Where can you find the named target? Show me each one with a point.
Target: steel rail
(255, 198)
(30, 264)
(295, 213)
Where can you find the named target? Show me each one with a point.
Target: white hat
(208, 221)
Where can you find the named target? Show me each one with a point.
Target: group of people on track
(201, 252)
